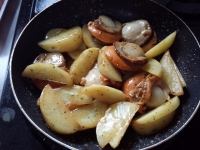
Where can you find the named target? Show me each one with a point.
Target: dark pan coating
(65, 14)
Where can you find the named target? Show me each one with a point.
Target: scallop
(131, 53)
(157, 98)
(137, 31)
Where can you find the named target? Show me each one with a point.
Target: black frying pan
(65, 14)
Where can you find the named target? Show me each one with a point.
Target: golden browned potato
(183, 83)
(82, 65)
(161, 46)
(153, 127)
(106, 68)
(104, 93)
(64, 41)
(88, 39)
(170, 75)
(153, 67)
(89, 115)
(57, 116)
(54, 32)
(153, 120)
(72, 96)
(74, 54)
(117, 138)
(49, 72)
(112, 127)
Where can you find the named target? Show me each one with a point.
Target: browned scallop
(105, 29)
(138, 31)
(107, 24)
(131, 83)
(152, 42)
(117, 61)
(131, 53)
(138, 89)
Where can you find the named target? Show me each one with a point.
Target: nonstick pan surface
(66, 14)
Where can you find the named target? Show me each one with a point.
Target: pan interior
(67, 14)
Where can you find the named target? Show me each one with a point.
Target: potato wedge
(54, 32)
(116, 140)
(74, 54)
(183, 83)
(111, 128)
(88, 39)
(104, 93)
(88, 115)
(153, 67)
(161, 46)
(170, 75)
(159, 111)
(48, 72)
(57, 116)
(82, 65)
(106, 68)
(72, 96)
(153, 127)
(65, 41)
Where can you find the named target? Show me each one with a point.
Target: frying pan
(66, 14)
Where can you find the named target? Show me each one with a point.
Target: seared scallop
(139, 32)
(105, 29)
